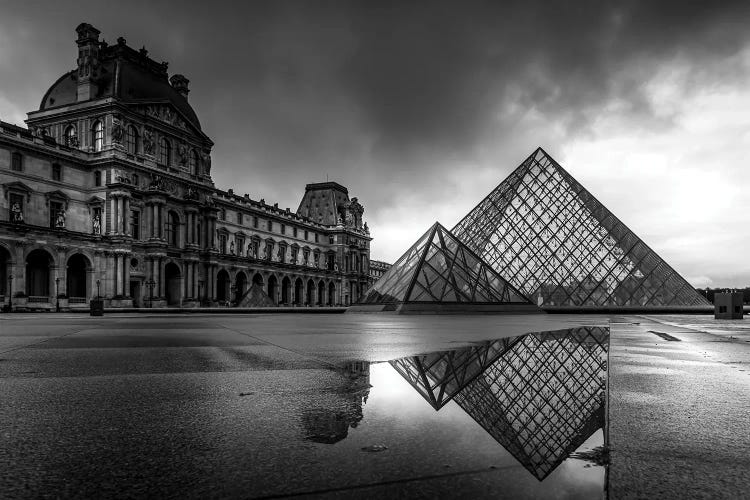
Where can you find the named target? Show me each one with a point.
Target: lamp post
(97, 289)
(10, 293)
(57, 293)
(200, 295)
(151, 284)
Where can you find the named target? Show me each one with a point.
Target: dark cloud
(379, 94)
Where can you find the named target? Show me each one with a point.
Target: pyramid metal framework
(438, 268)
(540, 395)
(439, 376)
(550, 238)
(543, 398)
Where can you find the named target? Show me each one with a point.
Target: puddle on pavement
(514, 410)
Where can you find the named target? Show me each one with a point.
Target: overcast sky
(421, 108)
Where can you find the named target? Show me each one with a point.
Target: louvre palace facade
(108, 193)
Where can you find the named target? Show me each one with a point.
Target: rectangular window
(331, 239)
(223, 243)
(135, 224)
(56, 172)
(239, 217)
(269, 250)
(16, 162)
(55, 208)
(269, 226)
(316, 237)
(223, 214)
(255, 222)
(306, 234)
(306, 256)
(282, 253)
(98, 178)
(294, 255)
(134, 178)
(240, 242)
(294, 232)
(283, 229)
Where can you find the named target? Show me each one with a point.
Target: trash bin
(97, 307)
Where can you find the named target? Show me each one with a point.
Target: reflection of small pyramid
(440, 270)
(553, 240)
(439, 376)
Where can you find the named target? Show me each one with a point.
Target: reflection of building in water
(539, 395)
(330, 423)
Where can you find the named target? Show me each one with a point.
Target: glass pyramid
(550, 238)
(540, 395)
(544, 397)
(439, 268)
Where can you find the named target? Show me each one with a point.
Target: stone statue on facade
(157, 183)
(231, 247)
(367, 229)
(60, 219)
(97, 225)
(249, 249)
(206, 159)
(182, 151)
(148, 142)
(16, 213)
(118, 131)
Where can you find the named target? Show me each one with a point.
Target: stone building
(377, 269)
(108, 193)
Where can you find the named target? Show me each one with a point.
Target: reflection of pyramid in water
(548, 236)
(544, 397)
(439, 268)
(541, 395)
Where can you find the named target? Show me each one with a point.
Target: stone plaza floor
(232, 406)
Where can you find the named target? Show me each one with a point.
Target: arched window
(131, 140)
(165, 152)
(193, 162)
(71, 136)
(98, 135)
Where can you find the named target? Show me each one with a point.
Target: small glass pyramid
(438, 268)
(550, 238)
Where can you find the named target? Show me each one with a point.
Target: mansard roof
(126, 74)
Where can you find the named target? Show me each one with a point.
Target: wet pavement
(366, 405)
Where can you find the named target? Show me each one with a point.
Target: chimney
(88, 61)
(180, 84)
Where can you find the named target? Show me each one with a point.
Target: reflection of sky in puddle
(519, 406)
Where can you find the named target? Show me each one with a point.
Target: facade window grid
(131, 140)
(283, 229)
(135, 224)
(165, 152)
(255, 222)
(97, 136)
(16, 162)
(55, 207)
(269, 226)
(294, 232)
(239, 217)
(98, 178)
(56, 172)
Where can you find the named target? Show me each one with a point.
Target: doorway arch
(38, 265)
(272, 286)
(77, 283)
(222, 286)
(298, 291)
(286, 288)
(172, 284)
(241, 284)
(310, 292)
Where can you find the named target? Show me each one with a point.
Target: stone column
(126, 275)
(126, 215)
(162, 287)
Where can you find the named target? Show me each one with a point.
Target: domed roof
(126, 74)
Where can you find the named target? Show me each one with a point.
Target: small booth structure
(728, 305)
